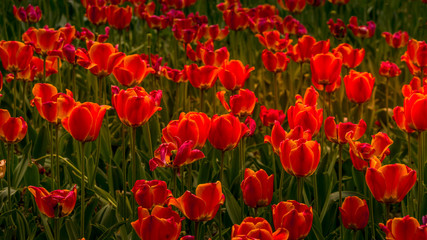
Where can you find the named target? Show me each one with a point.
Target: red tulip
(362, 31)
(233, 74)
(354, 213)
(299, 157)
(308, 117)
(414, 105)
(257, 188)
(119, 17)
(271, 40)
(97, 15)
(337, 133)
(132, 70)
(84, 121)
(204, 205)
(151, 193)
(29, 14)
(226, 132)
(404, 228)
(12, 129)
(135, 106)
(52, 106)
(177, 4)
(156, 22)
(274, 62)
(389, 69)
(325, 70)
(241, 105)
(293, 6)
(192, 126)
(397, 40)
(269, 116)
(58, 203)
(201, 77)
(310, 97)
(359, 86)
(296, 217)
(37, 66)
(257, 228)
(236, 18)
(162, 223)
(338, 29)
(306, 48)
(174, 74)
(45, 41)
(290, 25)
(100, 59)
(278, 134)
(390, 183)
(68, 33)
(416, 53)
(15, 56)
(400, 119)
(351, 57)
(339, 2)
(213, 32)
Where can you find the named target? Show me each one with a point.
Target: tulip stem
(276, 90)
(52, 165)
(150, 143)
(386, 103)
(300, 187)
(8, 172)
(409, 147)
(73, 77)
(44, 69)
(420, 173)
(58, 178)
(242, 170)
(175, 176)
(340, 184)
(82, 199)
(14, 93)
(354, 234)
(282, 179)
(133, 146)
(56, 227)
(387, 213)
(201, 100)
(221, 172)
(371, 208)
(124, 171)
(196, 234)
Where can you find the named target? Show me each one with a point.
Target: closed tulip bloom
(257, 188)
(97, 15)
(390, 183)
(12, 129)
(278, 134)
(151, 193)
(367, 31)
(414, 105)
(201, 77)
(175, 75)
(214, 57)
(389, 69)
(359, 86)
(354, 213)
(257, 228)
(325, 70)
(306, 48)
(404, 228)
(135, 106)
(293, 6)
(15, 56)
(308, 117)
(226, 132)
(396, 40)
(337, 132)
(162, 223)
(299, 157)
(290, 25)
(269, 116)
(29, 14)
(45, 41)
(274, 62)
(233, 74)
(2, 168)
(416, 53)
(119, 17)
(100, 59)
(400, 119)
(351, 57)
(204, 205)
(272, 41)
(132, 70)
(84, 121)
(213, 32)
(296, 217)
(51, 105)
(338, 29)
(236, 18)
(156, 22)
(58, 203)
(241, 105)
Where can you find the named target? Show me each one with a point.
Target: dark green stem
(57, 228)
(58, 178)
(52, 165)
(202, 100)
(73, 77)
(420, 173)
(8, 172)
(221, 172)
(133, 149)
(386, 102)
(82, 194)
(124, 164)
(300, 186)
(340, 184)
(371, 208)
(282, 179)
(242, 169)
(276, 90)
(354, 234)
(44, 69)
(14, 93)
(196, 230)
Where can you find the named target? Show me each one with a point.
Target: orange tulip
(404, 228)
(293, 6)
(337, 133)
(272, 41)
(367, 31)
(174, 74)
(257, 228)
(37, 66)
(132, 70)
(233, 74)
(241, 105)
(45, 41)
(201, 77)
(413, 106)
(296, 217)
(338, 29)
(299, 157)
(397, 40)
(325, 70)
(359, 86)
(226, 132)
(308, 117)
(84, 121)
(151, 193)
(269, 116)
(135, 106)
(400, 119)
(192, 126)
(257, 188)
(390, 183)
(351, 57)
(100, 59)
(202, 206)
(162, 223)
(416, 53)
(306, 48)
(274, 62)
(15, 56)
(58, 203)
(278, 134)
(12, 129)
(119, 17)
(52, 106)
(389, 69)
(68, 33)
(354, 213)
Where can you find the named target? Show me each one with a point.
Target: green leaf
(232, 206)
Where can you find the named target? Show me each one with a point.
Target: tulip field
(213, 119)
